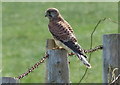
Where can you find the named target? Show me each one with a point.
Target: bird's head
(52, 13)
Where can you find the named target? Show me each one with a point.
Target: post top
(50, 44)
(111, 34)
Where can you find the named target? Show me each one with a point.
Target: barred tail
(83, 59)
(75, 47)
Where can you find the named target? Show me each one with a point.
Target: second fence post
(111, 57)
(57, 69)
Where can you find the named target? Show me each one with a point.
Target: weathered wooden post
(8, 81)
(111, 57)
(57, 70)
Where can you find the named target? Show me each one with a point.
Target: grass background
(25, 32)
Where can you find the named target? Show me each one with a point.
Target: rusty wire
(32, 68)
(44, 58)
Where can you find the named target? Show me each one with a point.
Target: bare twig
(92, 42)
(91, 46)
(115, 80)
(113, 74)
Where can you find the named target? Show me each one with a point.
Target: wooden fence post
(8, 81)
(111, 57)
(57, 70)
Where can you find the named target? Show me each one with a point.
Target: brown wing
(62, 31)
(68, 26)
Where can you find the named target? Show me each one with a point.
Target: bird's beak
(46, 14)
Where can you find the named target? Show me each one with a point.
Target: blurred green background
(25, 32)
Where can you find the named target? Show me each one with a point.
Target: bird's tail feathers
(83, 59)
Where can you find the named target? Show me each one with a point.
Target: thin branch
(115, 80)
(92, 42)
(91, 47)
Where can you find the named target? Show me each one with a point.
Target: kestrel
(64, 35)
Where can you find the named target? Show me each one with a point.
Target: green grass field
(25, 32)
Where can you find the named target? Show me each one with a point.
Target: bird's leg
(57, 47)
(61, 48)
(71, 54)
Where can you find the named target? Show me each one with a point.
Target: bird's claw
(60, 48)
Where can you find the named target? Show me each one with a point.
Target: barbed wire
(32, 68)
(46, 56)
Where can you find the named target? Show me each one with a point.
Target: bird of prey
(64, 35)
